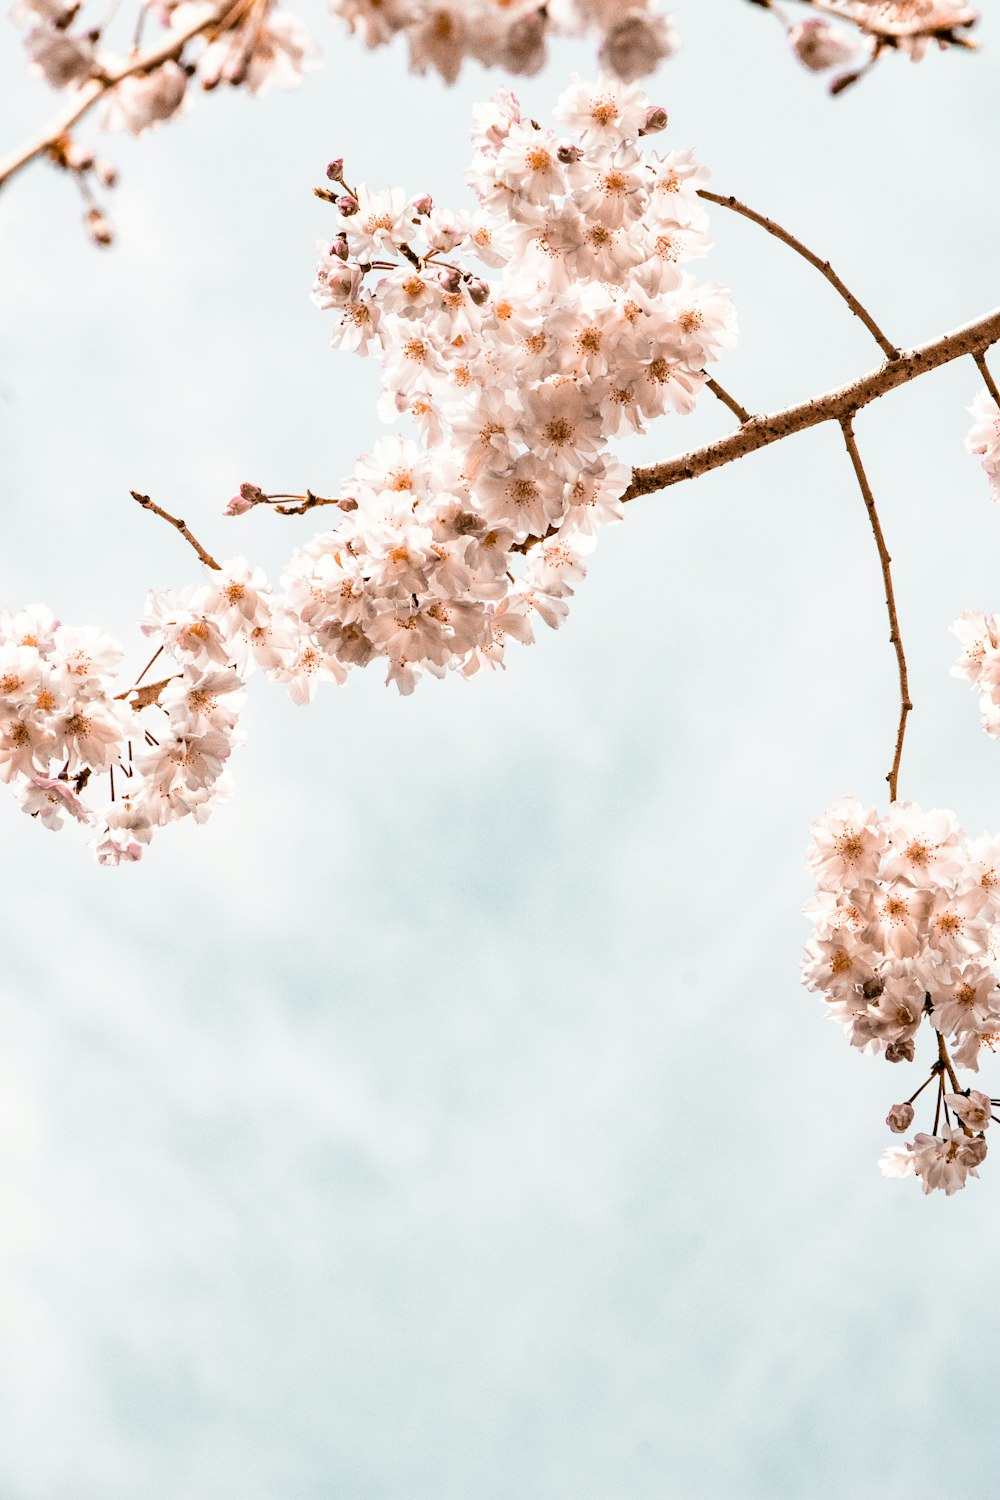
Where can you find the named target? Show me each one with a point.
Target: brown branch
(823, 266)
(726, 399)
(181, 526)
(984, 371)
(905, 705)
(309, 502)
(832, 406)
(95, 88)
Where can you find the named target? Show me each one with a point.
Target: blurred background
(445, 1119)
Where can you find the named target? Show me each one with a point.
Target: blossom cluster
(126, 763)
(906, 916)
(520, 339)
(863, 30)
(979, 663)
(635, 35)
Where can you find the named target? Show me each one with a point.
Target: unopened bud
(479, 292)
(78, 158)
(338, 247)
(569, 154)
(347, 204)
(423, 205)
(238, 506)
(899, 1118)
(325, 195)
(98, 228)
(335, 170)
(252, 493)
(900, 1051)
(971, 1153)
(656, 120)
(450, 280)
(818, 45)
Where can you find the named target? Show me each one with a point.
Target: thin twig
(831, 406)
(945, 1061)
(823, 266)
(181, 526)
(905, 706)
(95, 88)
(984, 371)
(309, 502)
(727, 400)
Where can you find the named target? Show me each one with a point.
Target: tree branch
(726, 399)
(823, 266)
(905, 705)
(984, 371)
(95, 88)
(181, 526)
(832, 406)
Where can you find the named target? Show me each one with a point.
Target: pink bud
(818, 45)
(348, 205)
(338, 246)
(423, 205)
(238, 506)
(899, 1118)
(335, 170)
(656, 120)
(98, 228)
(479, 291)
(569, 154)
(450, 280)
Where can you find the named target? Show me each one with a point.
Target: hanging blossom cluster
(255, 44)
(906, 921)
(591, 326)
(126, 763)
(520, 339)
(441, 34)
(865, 30)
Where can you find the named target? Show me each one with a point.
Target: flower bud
(348, 205)
(423, 205)
(450, 279)
(971, 1153)
(238, 506)
(568, 154)
(656, 120)
(252, 493)
(479, 291)
(335, 170)
(899, 1118)
(900, 1051)
(98, 228)
(338, 247)
(818, 45)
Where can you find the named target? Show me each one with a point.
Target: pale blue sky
(352, 1147)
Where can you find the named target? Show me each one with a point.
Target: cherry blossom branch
(905, 705)
(181, 526)
(823, 266)
(727, 400)
(95, 89)
(832, 406)
(984, 371)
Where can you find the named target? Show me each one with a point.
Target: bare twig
(181, 526)
(905, 705)
(727, 400)
(309, 502)
(95, 88)
(823, 266)
(832, 406)
(984, 371)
